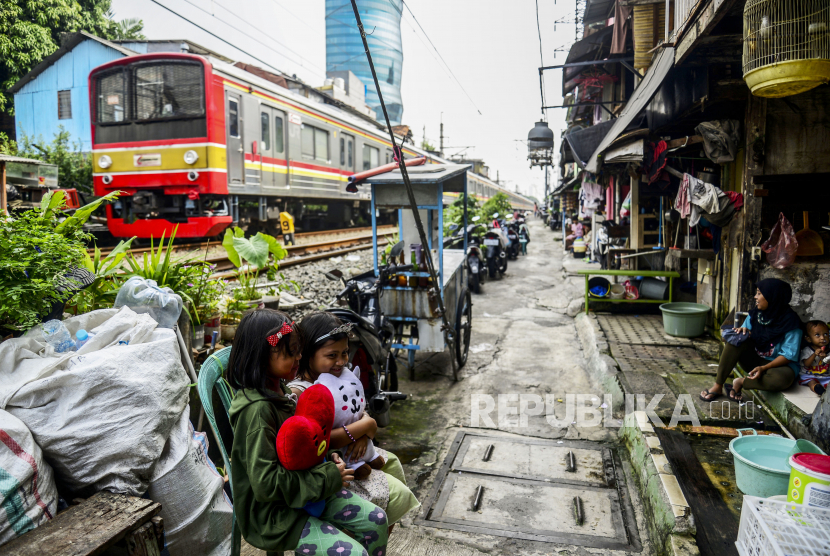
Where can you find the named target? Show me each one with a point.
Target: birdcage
(786, 46)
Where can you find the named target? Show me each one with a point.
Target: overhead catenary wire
(410, 193)
(441, 57)
(229, 43)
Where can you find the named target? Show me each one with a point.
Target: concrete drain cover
(659, 353)
(645, 329)
(532, 489)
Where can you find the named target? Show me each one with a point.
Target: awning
(638, 101)
(584, 50)
(583, 142)
(566, 186)
(630, 152)
(598, 10)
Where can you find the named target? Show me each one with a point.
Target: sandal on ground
(715, 395)
(738, 397)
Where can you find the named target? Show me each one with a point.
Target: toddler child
(815, 373)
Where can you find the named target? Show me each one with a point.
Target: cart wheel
(463, 327)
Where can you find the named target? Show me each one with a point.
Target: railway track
(343, 241)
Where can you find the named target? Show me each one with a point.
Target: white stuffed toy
(349, 407)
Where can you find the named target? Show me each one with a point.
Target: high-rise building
(344, 48)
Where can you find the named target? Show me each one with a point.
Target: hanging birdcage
(786, 46)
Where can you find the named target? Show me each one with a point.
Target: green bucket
(761, 463)
(685, 320)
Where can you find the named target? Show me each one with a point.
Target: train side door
(236, 152)
(280, 148)
(266, 146)
(347, 154)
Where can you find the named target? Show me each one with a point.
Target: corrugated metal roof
(10, 158)
(598, 10)
(67, 44)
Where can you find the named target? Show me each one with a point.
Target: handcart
(407, 299)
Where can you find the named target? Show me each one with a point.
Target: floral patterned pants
(345, 511)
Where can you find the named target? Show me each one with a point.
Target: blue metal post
(375, 233)
(440, 238)
(465, 213)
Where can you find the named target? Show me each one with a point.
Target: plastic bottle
(57, 336)
(81, 337)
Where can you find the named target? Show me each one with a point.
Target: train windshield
(147, 99)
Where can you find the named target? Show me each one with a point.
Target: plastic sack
(102, 414)
(720, 139)
(781, 246)
(198, 517)
(27, 485)
(144, 296)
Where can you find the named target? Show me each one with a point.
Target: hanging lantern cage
(786, 46)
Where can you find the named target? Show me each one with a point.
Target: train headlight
(191, 157)
(107, 179)
(193, 176)
(104, 162)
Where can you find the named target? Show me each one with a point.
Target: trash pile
(107, 411)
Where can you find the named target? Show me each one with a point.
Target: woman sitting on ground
(770, 352)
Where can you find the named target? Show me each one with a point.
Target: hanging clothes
(681, 202)
(654, 164)
(590, 197)
(622, 28)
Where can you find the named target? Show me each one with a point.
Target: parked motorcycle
(476, 260)
(512, 229)
(372, 349)
(495, 244)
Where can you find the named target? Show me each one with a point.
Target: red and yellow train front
(158, 137)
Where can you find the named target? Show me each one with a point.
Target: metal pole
(412, 202)
(3, 200)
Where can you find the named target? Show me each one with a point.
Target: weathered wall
(798, 133)
(811, 287)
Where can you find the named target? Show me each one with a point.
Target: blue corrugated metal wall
(36, 104)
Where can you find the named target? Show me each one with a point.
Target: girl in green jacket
(268, 499)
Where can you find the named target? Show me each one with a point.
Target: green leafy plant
(109, 277)
(454, 214)
(74, 167)
(37, 249)
(250, 256)
(234, 309)
(497, 203)
(205, 292)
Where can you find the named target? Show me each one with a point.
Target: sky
(491, 47)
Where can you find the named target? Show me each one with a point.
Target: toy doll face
(351, 396)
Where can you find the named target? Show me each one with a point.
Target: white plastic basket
(773, 528)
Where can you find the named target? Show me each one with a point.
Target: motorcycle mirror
(334, 275)
(476, 218)
(397, 249)
(495, 215)
(453, 227)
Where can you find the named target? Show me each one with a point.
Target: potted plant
(205, 294)
(234, 310)
(251, 256)
(42, 261)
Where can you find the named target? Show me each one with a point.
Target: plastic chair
(210, 377)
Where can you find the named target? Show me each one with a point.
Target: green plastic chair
(210, 377)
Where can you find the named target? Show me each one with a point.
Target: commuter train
(202, 143)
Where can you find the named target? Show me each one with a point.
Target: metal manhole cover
(643, 329)
(660, 353)
(524, 489)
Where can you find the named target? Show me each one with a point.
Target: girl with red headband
(269, 499)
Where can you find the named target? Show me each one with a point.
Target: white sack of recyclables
(198, 516)
(27, 486)
(102, 414)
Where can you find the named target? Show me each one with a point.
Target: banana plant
(250, 256)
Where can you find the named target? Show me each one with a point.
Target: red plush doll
(304, 439)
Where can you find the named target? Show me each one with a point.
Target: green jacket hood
(248, 396)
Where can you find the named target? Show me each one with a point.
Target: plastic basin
(685, 320)
(761, 463)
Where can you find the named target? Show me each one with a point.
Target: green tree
(499, 203)
(426, 145)
(31, 30)
(128, 29)
(74, 168)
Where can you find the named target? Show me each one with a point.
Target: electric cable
(542, 62)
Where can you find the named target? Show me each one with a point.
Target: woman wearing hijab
(770, 352)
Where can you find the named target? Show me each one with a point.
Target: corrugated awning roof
(638, 101)
(10, 158)
(583, 142)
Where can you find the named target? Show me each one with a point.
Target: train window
(169, 90)
(112, 102)
(342, 151)
(350, 153)
(265, 121)
(315, 143)
(233, 118)
(371, 157)
(278, 135)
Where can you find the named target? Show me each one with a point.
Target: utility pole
(497, 178)
(441, 139)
